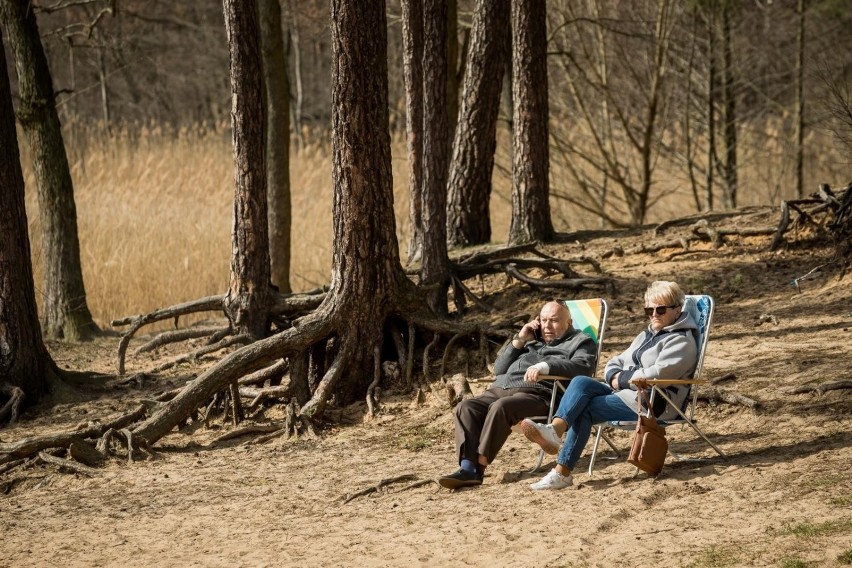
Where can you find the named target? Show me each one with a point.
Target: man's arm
(580, 361)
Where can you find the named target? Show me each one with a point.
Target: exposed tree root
(822, 388)
(377, 487)
(68, 464)
(715, 395)
(258, 395)
(12, 406)
(835, 216)
(178, 335)
(200, 352)
(246, 430)
(284, 308)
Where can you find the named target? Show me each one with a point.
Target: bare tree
(800, 99)
(277, 104)
(530, 156)
(469, 187)
(25, 365)
(65, 312)
(248, 300)
(611, 159)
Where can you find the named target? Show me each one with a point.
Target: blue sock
(468, 465)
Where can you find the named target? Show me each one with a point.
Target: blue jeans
(585, 403)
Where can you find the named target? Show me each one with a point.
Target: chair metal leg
(690, 422)
(537, 465)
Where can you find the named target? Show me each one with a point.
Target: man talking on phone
(547, 345)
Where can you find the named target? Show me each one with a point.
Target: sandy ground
(783, 496)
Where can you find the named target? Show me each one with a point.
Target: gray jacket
(671, 353)
(571, 355)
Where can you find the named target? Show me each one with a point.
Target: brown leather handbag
(649, 446)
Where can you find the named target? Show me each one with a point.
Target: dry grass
(154, 210)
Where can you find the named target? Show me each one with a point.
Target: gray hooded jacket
(671, 353)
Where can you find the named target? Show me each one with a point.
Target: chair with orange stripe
(588, 316)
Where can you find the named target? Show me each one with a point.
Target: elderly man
(546, 345)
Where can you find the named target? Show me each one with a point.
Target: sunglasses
(659, 310)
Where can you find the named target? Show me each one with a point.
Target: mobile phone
(537, 331)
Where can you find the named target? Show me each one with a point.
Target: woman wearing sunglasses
(666, 349)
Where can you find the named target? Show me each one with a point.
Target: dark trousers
(483, 423)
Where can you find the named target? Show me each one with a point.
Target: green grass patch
(845, 557)
(810, 530)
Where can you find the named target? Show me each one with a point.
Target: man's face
(555, 321)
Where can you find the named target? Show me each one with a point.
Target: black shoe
(461, 478)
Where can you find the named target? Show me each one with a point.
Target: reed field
(154, 208)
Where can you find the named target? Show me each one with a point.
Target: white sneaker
(553, 480)
(541, 434)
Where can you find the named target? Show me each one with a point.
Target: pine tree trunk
(24, 360)
(65, 313)
(530, 154)
(249, 296)
(277, 105)
(366, 276)
(435, 264)
(412, 45)
(730, 122)
(469, 187)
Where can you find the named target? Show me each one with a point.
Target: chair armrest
(553, 378)
(665, 382)
(479, 381)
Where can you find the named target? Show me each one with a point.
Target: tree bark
(800, 100)
(730, 105)
(469, 187)
(65, 313)
(249, 296)
(366, 277)
(435, 264)
(412, 44)
(24, 360)
(277, 105)
(530, 154)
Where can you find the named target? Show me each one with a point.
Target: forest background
(143, 96)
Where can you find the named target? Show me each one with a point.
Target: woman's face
(661, 313)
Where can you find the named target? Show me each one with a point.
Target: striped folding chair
(588, 316)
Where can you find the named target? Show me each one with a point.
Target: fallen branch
(378, 486)
(177, 335)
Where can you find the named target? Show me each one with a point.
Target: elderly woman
(666, 349)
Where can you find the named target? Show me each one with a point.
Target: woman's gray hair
(667, 292)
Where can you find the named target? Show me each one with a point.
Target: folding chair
(588, 316)
(701, 308)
